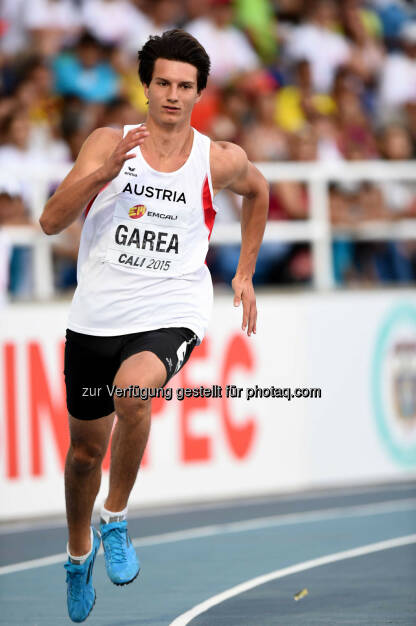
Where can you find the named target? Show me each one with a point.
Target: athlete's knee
(85, 456)
(132, 410)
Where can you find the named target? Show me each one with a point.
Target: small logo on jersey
(137, 211)
(130, 171)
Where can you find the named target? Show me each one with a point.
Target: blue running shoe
(80, 592)
(120, 556)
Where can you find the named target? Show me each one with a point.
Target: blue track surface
(224, 545)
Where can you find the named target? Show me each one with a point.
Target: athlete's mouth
(170, 108)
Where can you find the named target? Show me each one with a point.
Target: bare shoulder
(228, 162)
(104, 137)
(94, 151)
(105, 132)
(97, 148)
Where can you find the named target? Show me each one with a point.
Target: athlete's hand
(244, 292)
(113, 164)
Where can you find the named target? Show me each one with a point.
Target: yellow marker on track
(300, 594)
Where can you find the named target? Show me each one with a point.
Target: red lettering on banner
(107, 457)
(41, 399)
(10, 405)
(193, 448)
(240, 438)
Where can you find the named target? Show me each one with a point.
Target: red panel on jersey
(209, 211)
(91, 202)
(89, 205)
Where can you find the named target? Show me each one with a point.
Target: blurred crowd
(291, 80)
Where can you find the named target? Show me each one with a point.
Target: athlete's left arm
(231, 169)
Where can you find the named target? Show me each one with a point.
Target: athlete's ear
(198, 96)
(146, 91)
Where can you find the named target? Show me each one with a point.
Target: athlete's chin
(169, 118)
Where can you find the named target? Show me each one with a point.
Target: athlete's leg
(133, 425)
(89, 441)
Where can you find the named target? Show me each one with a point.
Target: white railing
(317, 229)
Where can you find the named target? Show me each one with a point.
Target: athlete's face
(172, 92)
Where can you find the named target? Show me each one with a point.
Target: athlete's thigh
(93, 434)
(143, 369)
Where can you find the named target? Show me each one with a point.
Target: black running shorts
(92, 362)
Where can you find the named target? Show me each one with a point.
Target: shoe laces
(74, 578)
(116, 546)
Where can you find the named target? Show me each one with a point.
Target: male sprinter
(144, 292)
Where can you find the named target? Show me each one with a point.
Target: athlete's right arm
(99, 161)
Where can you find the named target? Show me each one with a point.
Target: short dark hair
(174, 45)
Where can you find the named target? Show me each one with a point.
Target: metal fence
(317, 229)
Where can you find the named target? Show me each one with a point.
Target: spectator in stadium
(76, 123)
(398, 76)
(13, 212)
(110, 21)
(86, 73)
(12, 209)
(16, 157)
(120, 112)
(400, 197)
(151, 17)
(263, 139)
(25, 145)
(44, 103)
(50, 23)
(65, 254)
(297, 102)
(383, 261)
(234, 115)
(257, 19)
(396, 143)
(13, 37)
(289, 200)
(125, 66)
(393, 15)
(229, 49)
(34, 94)
(316, 41)
(364, 29)
(195, 9)
(357, 140)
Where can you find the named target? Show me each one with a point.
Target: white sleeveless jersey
(141, 262)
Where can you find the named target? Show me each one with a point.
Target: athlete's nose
(172, 97)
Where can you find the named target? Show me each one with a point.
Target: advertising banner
(323, 394)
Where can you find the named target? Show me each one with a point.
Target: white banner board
(357, 350)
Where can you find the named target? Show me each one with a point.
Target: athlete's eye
(186, 86)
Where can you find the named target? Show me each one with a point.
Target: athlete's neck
(165, 143)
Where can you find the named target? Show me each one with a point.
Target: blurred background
(322, 96)
(321, 82)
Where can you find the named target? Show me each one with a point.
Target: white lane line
(187, 617)
(258, 523)
(28, 525)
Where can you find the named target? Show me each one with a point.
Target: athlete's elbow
(259, 189)
(47, 225)
(260, 192)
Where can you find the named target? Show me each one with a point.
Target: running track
(236, 562)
